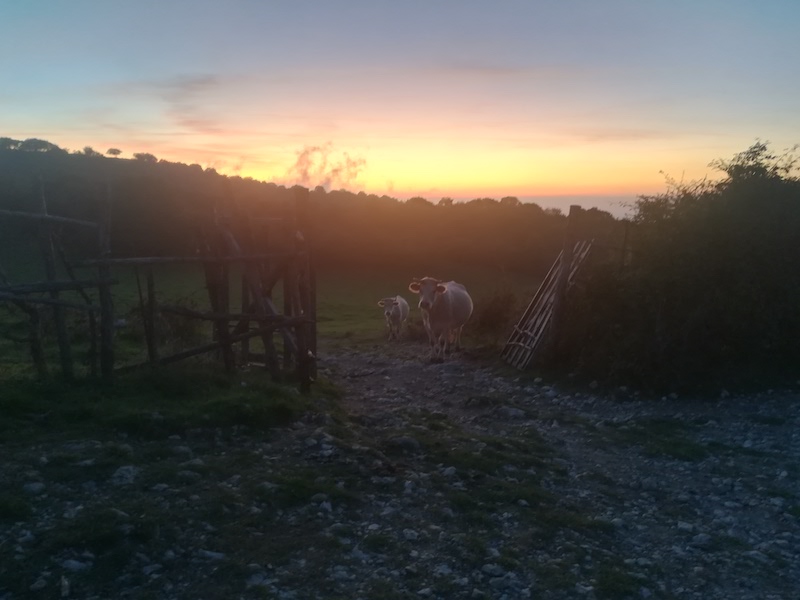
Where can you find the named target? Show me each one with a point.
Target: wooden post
(48, 252)
(151, 317)
(245, 307)
(91, 316)
(213, 274)
(259, 295)
(104, 292)
(563, 275)
(217, 285)
(307, 352)
(289, 274)
(292, 301)
(224, 291)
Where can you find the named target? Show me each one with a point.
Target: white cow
(396, 312)
(446, 307)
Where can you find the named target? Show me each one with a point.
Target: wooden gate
(533, 329)
(277, 261)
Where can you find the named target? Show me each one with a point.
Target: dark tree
(9, 144)
(36, 145)
(418, 201)
(510, 201)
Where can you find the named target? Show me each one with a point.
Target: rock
(39, 584)
(701, 540)
(404, 443)
(75, 566)
(150, 569)
(189, 476)
(34, 488)
(125, 475)
(442, 570)
(509, 412)
(493, 570)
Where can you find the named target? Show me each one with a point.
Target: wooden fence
(271, 257)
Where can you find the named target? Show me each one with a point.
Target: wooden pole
(216, 284)
(307, 349)
(152, 316)
(45, 218)
(165, 360)
(291, 295)
(104, 292)
(563, 275)
(48, 302)
(48, 253)
(92, 317)
(244, 324)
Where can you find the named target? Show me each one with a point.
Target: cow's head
(388, 304)
(427, 288)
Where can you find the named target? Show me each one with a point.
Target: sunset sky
(593, 101)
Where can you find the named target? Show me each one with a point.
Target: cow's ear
(440, 289)
(414, 287)
(380, 303)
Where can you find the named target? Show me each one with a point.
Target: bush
(495, 315)
(709, 299)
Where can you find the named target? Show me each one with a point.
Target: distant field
(347, 300)
(347, 308)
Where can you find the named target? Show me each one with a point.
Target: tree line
(156, 205)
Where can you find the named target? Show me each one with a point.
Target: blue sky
(581, 99)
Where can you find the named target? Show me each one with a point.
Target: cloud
(613, 133)
(318, 165)
(187, 101)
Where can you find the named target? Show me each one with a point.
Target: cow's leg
(446, 345)
(457, 337)
(426, 322)
(439, 346)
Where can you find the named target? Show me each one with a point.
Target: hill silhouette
(156, 204)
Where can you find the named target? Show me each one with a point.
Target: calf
(446, 307)
(396, 312)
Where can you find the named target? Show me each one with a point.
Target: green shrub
(709, 298)
(495, 314)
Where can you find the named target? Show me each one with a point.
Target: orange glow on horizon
(439, 169)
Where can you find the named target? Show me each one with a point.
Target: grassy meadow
(347, 300)
(347, 309)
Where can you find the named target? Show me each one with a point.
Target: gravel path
(453, 480)
(701, 498)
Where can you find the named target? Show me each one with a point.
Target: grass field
(347, 309)
(347, 300)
